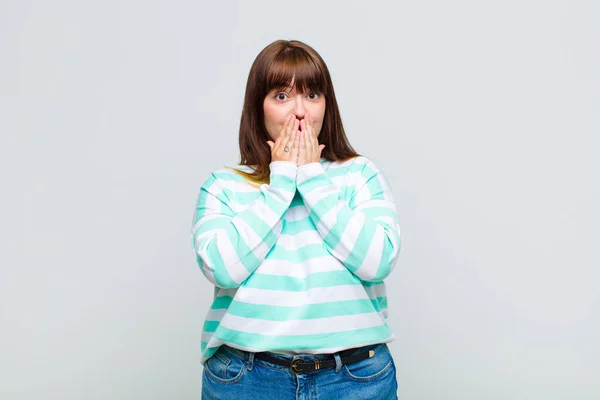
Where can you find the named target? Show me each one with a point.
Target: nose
(299, 109)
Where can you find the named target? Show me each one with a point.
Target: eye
(313, 95)
(281, 96)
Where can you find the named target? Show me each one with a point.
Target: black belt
(299, 365)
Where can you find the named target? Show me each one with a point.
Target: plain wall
(484, 116)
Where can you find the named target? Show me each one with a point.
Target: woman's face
(278, 105)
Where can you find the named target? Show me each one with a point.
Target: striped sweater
(298, 264)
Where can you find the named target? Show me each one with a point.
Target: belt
(298, 365)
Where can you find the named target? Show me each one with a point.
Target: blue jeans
(235, 374)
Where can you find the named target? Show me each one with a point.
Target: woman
(297, 240)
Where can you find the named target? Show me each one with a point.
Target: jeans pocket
(370, 369)
(224, 368)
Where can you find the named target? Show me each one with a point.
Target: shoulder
(228, 177)
(363, 164)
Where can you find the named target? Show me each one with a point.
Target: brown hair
(274, 68)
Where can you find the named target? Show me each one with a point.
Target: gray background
(483, 115)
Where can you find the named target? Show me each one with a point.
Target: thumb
(321, 147)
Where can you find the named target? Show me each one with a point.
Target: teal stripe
(307, 312)
(361, 246)
(371, 283)
(241, 248)
(219, 271)
(375, 188)
(335, 234)
(212, 224)
(300, 255)
(210, 326)
(207, 352)
(315, 182)
(379, 211)
(351, 168)
(291, 284)
(283, 181)
(304, 342)
(299, 226)
(257, 223)
(244, 198)
(221, 302)
(379, 303)
(324, 205)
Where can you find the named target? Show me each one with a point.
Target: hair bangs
(297, 66)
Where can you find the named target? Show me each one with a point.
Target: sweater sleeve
(364, 234)
(229, 247)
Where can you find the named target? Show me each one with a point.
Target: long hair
(274, 68)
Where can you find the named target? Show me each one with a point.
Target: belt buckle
(295, 366)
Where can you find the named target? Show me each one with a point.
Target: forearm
(365, 239)
(230, 248)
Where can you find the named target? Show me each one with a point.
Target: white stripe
(264, 212)
(296, 213)
(251, 239)
(285, 168)
(211, 233)
(370, 265)
(281, 195)
(303, 327)
(388, 220)
(321, 192)
(375, 291)
(207, 267)
(300, 299)
(215, 315)
(363, 195)
(312, 266)
(221, 292)
(207, 217)
(212, 202)
(329, 219)
(350, 235)
(206, 336)
(237, 187)
(294, 242)
(232, 262)
(206, 270)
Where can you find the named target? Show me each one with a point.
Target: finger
(292, 141)
(271, 144)
(314, 144)
(310, 138)
(308, 144)
(296, 145)
(294, 127)
(307, 123)
(312, 127)
(292, 134)
(300, 145)
(301, 148)
(290, 125)
(281, 140)
(290, 129)
(286, 126)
